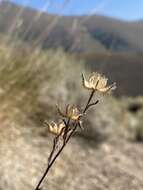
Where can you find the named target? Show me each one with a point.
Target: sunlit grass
(28, 79)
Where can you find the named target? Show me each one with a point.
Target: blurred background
(45, 45)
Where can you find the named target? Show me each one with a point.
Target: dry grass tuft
(28, 81)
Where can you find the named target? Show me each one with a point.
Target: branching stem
(67, 135)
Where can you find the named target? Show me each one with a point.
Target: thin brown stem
(53, 149)
(66, 130)
(52, 162)
(92, 104)
(90, 97)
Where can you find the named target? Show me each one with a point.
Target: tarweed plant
(71, 119)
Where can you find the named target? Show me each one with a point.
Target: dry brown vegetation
(27, 77)
(107, 154)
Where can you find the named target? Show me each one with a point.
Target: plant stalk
(64, 143)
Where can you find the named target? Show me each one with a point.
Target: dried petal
(55, 128)
(97, 82)
(71, 112)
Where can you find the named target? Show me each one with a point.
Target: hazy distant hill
(125, 69)
(75, 34)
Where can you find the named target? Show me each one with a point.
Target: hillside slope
(125, 69)
(74, 34)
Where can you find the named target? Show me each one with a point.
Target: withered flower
(71, 112)
(97, 82)
(56, 128)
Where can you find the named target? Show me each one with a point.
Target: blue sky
(122, 9)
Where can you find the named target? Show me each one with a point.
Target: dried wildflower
(56, 129)
(71, 112)
(97, 82)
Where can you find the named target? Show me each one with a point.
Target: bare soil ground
(91, 161)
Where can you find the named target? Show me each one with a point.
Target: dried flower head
(71, 112)
(97, 82)
(56, 129)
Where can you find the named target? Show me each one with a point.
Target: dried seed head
(72, 112)
(56, 128)
(97, 82)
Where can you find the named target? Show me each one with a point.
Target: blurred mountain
(75, 34)
(125, 69)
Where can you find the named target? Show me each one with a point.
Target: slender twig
(55, 143)
(53, 149)
(66, 130)
(92, 104)
(90, 97)
(51, 163)
(48, 168)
